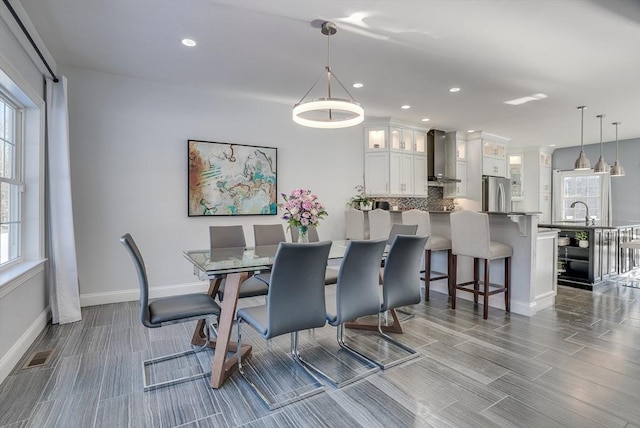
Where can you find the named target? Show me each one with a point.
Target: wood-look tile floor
(574, 365)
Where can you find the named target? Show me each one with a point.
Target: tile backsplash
(434, 201)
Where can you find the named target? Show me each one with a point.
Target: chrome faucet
(587, 218)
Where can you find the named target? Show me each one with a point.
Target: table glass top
(228, 260)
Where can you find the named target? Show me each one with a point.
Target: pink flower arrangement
(302, 208)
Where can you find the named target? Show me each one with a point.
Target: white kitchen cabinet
(545, 207)
(545, 179)
(420, 175)
(494, 157)
(400, 174)
(455, 166)
(376, 139)
(461, 150)
(516, 176)
(376, 173)
(420, 143)
(536, 173)
(395, 159)
(401, 140)
(494, 167)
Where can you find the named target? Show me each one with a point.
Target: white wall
(129, 169)
(625, 197)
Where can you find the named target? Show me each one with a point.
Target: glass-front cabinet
(395, 159)
(516, 176)
(376, 139)
(401, 140)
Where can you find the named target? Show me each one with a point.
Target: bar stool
(379, 224)
(631, 245)
(470, 237)
(354, 224)
(435, 243)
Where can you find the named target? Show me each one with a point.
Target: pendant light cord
(600, 116)
(582, 129)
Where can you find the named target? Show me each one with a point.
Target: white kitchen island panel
(533, 265)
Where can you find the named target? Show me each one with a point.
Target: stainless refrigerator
(496, 194)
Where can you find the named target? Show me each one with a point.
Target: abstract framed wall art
(231, 179)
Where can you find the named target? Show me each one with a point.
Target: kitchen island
(533, 265)
(587, 265)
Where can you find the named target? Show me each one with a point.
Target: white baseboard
(11, 358)
(107, 297)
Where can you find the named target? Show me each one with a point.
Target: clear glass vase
(303, 235)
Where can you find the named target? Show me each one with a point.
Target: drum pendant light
(617, 170)
(328, 112)
(601, 167)
(582, 162)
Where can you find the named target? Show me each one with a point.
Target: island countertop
(581, 225)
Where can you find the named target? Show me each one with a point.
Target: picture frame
(226, 179)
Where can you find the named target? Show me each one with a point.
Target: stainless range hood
(437, 142)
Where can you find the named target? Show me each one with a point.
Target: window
(582, 186)
(10, 181)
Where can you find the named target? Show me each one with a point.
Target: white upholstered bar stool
(470, 236)
(379, 224)
(434, 243)
(354, 224)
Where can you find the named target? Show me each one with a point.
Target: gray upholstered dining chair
(233, 237)
(435, 243)
(331, 273)
(400, 286)
(295, 302)
(169, 310)
(268, 234)
(357, 294)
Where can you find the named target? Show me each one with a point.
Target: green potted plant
(360, 200)
(582, 236)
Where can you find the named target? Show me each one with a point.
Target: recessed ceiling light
(357, 85)
(405, 107)
(188, 42)
(454, 90)
(552, 145)
(471, 130)
(426, 119)
(518, 101)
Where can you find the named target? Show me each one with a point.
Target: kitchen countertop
(492, 212)
(597, 225)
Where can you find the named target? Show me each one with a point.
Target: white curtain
(605, 197)
(64, 291)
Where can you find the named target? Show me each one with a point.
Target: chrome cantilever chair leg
(150, 362)
(371, 366)
(315, 387)
(412, 352)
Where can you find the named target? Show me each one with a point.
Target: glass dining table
(236, 265)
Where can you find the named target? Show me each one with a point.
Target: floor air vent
(39, 358)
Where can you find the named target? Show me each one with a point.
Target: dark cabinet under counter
(586, 267)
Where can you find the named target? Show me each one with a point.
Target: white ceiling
(578, 52)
